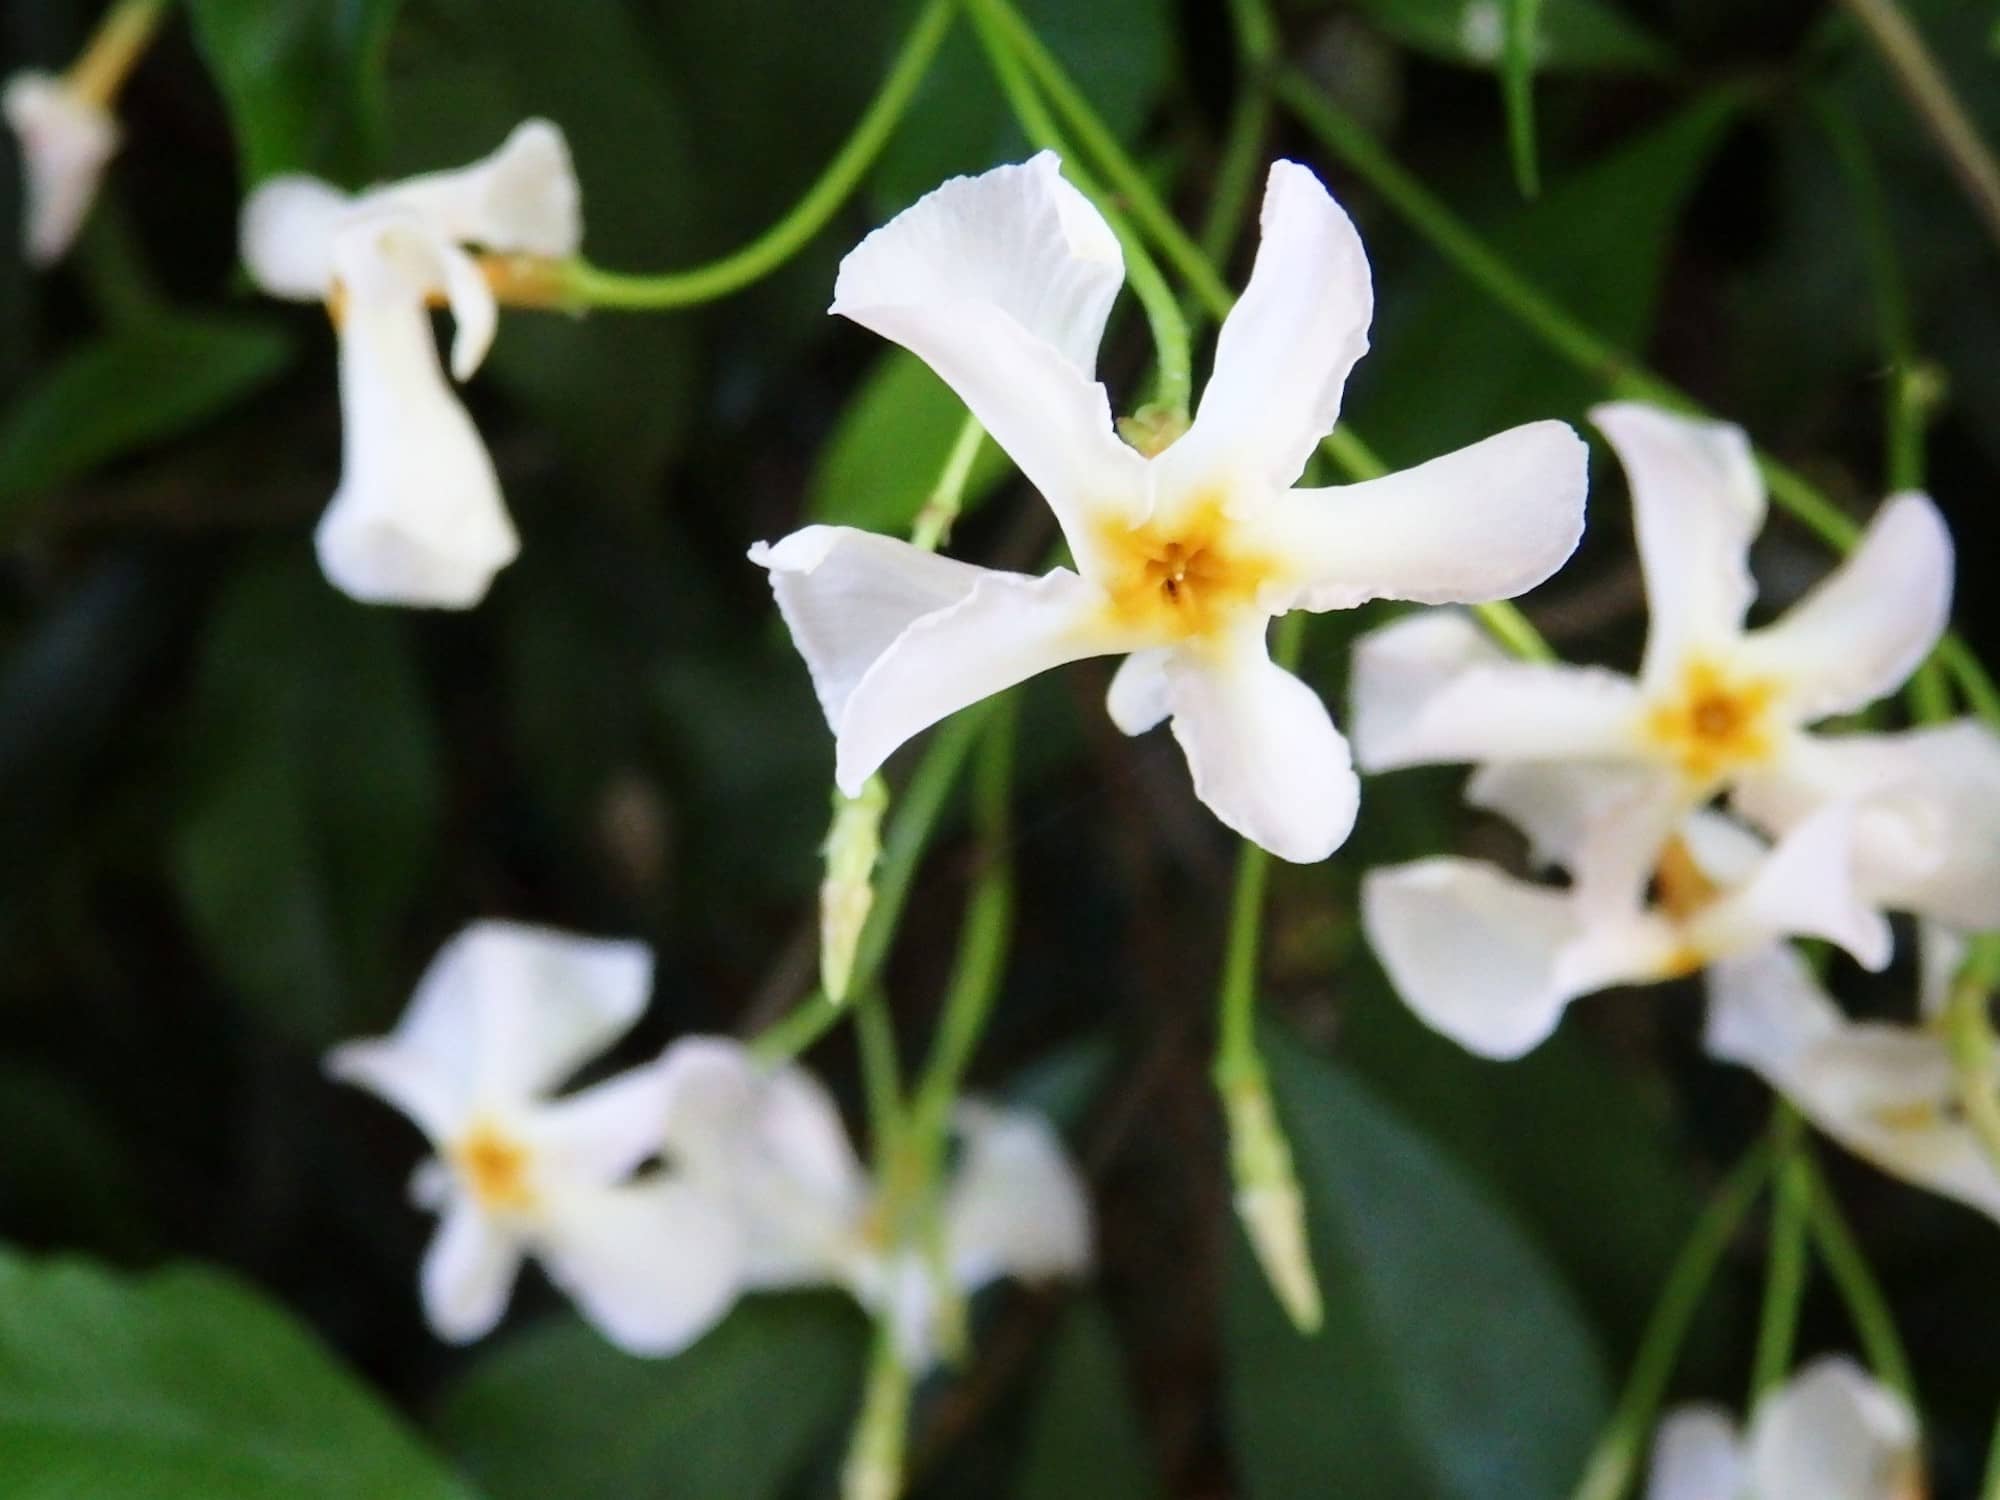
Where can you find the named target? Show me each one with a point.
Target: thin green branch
(1867, 1307)
(1969, 1030)
(1785, 1268)
(585, 285)
(874, 1466)
(1517, 83)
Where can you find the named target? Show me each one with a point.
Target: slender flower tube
(1492, 961)
(501, 1017)
(1888, 1093)
(1012, 1206)
(418, 518)
(1831, 1433)
(1002, 284)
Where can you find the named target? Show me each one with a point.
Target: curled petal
(1015, 1206)
(1511, 711)
(66, 140)
(1473, 951)
(1804, 887)
(1001, 284)
(1398, 668)
(1140, 695)
(653, 1266)
(1697, 501)
(1285, 350)
(523, 198)
(1265, 756)
(1833, 1433)
(286, 232)
(1696, 1456)
(1870, 622)
(1487, 522)
(468, 1273)
(599, 1134)
(1556, 803)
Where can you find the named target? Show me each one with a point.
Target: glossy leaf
(184, 1385)
(558, 1414)
(1454, 1364)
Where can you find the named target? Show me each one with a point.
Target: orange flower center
(1715, 723)
(496, 1169)
(1170, 581)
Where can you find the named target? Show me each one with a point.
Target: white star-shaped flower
(1492, 961)
(1002, 284)
(1888, 1093)
(66, 138)
(1011, 1206)
(503, 1015)
(1717, 708)
(1830, 1433)
(418, 518)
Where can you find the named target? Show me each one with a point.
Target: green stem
(1619, 373)
(1243, 140)
(934, 522)
(1969, 1030)
(881, 1074)
(1172, 343)
(874, 1466)
(585, 285)
(1518, 87)
(1616, 1458)
(1989, 1488)
(114, 49)
(1785, 1270)
(1840, 1253)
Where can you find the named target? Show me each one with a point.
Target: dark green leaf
(313, 803)
(1572, 35)
(184, 1385)
(302, 79)
(886, 453)
(1083, 1435)
(558, 1414)
(1454, 1364)
(124, 391)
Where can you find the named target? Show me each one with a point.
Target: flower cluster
(655, 1198)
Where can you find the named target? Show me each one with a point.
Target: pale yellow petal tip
(1274, 1218)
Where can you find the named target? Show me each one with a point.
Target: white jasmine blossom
(503, 1015)
(1011, 1205)
(1002, 284)
(1492, 961)
(66, 138)
(1830, 1433)
(418, 518)
(1888, 1093)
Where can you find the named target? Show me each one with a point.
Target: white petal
(418, 517)
(599, 1134)
(1766, 1012)
(1511, 711)
(1285, 350)
(1940, 955)
(1139, 697)
(1001, 284)
(1008, 629)
(1473, 951)
(523, 198)
(1832, 1433)
(653, 1266)
(1805, 887)
(286, 233)
(432, 1088)
(1397, 668)
(468, 1273)
(1619, 852)
(1696, 1456)
(1015, 1206)
(1869, 624)
(1487, 522)
(1927, 836)
(66, 140)
(1265, 756)
(1557, 802)
(1697, 501)
(847, 595)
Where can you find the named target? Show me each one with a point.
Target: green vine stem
(1867, 1307)
(114, 49)
(1615, 1460)
(1785, 1269)
(874, 1466)
(1969, 1031)
(583, 285)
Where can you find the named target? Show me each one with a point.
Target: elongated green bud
(853, 843)
(1268, 1200)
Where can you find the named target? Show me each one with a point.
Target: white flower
(1887, 1093)
(1002, 283)
(501, 1017)
(1719, 708)
(1011, 1206)
(1830, 1433)
(1492, 961)
(66, 139)
(418, 518)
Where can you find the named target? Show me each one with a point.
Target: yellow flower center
(496, 1169)
(1681, 889)
(1715, 723)
(1170, 581)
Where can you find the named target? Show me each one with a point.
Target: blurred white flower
(1011, 1206)
(418, 518)
(66, 138)
(1719, 708)
(1492, 961)
(1888, 1093)
(1830, 1433)
(1002, 283)
(503, 1015)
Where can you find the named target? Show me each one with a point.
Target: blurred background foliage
(241, 811)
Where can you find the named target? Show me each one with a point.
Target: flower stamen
(495, 1168)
